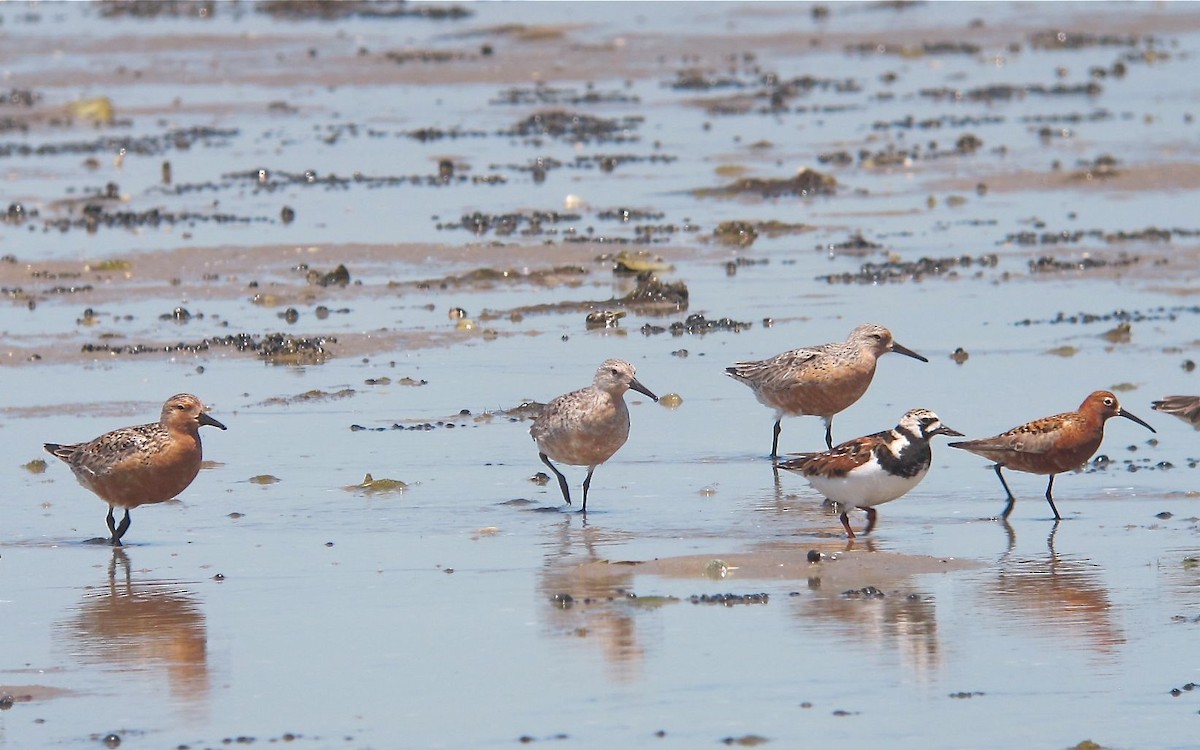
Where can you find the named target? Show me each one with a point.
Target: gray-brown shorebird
(586, 427)
(818, 381)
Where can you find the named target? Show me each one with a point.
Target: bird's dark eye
(1110, 402)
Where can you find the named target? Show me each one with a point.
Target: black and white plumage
(873, 469)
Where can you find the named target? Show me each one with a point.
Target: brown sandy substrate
(843, 566)
(276, 276)
(1160, 176)
(30, 693)
(517, 53)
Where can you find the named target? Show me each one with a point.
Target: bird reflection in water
(890, 618)
(1059, 595)
(589, 598)
(145, 626)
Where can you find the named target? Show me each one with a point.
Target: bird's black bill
(1127, 415)
(204, 419)
(635, 385)
(897, 348)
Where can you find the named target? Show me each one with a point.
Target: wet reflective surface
(1018, 207)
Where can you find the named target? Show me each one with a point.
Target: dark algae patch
(805, 183)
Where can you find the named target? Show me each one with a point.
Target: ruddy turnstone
(873, 469)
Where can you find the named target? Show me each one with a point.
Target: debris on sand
(806, 182)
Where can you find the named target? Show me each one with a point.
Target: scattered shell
(372, 486)
(99, 109)
(716, 569)
(627, 262)
(604, 319)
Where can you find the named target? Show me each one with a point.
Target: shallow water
(308, 612)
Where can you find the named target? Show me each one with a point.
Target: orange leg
(846, 525)
(870, 520)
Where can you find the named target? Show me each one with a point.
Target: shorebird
(586, 427)
(818, 380)
(1186, 408)
(1050, 445)
(148, 463)
(873, 469)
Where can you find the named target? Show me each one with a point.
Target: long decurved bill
(1127, 415)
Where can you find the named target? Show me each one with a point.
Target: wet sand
(371, 240)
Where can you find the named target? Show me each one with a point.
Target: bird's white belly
(869, 485)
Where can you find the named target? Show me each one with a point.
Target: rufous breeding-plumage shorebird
(1050, 445)
(1186, 408)
(873, 469)
(148, 463)
(586, 427)
(818, 381)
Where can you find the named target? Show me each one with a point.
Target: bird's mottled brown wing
(1038, 436)
(780, 369)
(837, 462)
(1186, 408)
(562, 412)
(112, 449)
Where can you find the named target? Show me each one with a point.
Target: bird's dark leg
(829, 432)
(562, 481)
(1050, 499)
(846, 524)
(775, 439)
(114, 537)
(1012, 536)
(121, 529)
(587, 482)
(1007, 508)
(870, 520)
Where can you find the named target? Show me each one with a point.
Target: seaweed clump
(806, 182)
